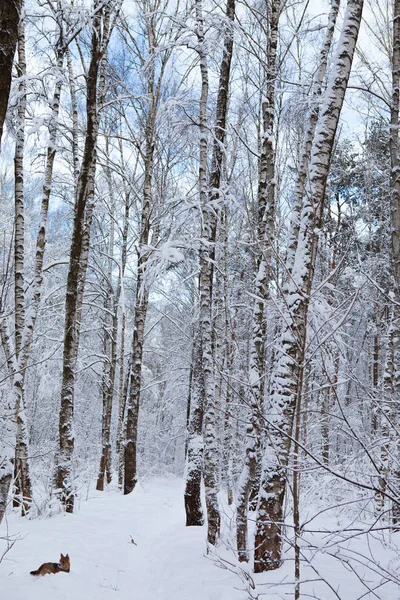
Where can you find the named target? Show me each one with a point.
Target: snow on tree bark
(305, 152)
(287, 378)
(141, 305)
(135, 378)
(210, 197)
(110, 331)
(19, 235)
(195, 443)
(395, 243)
(78, 260)
(229, 341)
(18, 368)
(121, 395)
(265, 229)
(7, 416)
(203, 398)
(202, 352)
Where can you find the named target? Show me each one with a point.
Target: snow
(168, 561)
(169, 253)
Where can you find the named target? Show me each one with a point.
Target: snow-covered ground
(168, 561)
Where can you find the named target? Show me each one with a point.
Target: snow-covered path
(168, 562)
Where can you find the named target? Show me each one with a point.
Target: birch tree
(287, 378)
(10, 12)
(21, 470)
(110, 333)
(203, 393)
(391, 375)
(265, 234)
(27, 309)
(154, 67)
(101, 31)
(121, 392)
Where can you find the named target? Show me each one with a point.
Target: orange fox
(64, 565)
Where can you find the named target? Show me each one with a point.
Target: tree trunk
(189, 402)
(195, 443)
(130, 445)
(19, 235)
(265, 228)
(154, 79)
(209, 196)
(121, 395)
(287, 379)
(385, 416)
(10, 13)
(110, 347)
(30, 317)
(395, 209)
(229, 340)
(21, 468)
(309, 134)
(75, 279)
(195, 453)
(142, 298)
(7, 422)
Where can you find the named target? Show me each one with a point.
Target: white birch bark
(31, 312)
(206, 369)
(22, 481)
(395, 239)
(203, 390)
(8, 426)
(302, 169)
(286, 384)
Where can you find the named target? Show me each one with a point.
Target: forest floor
(168, 560)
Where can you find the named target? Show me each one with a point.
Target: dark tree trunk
(153, 82)
(10, 12)
(110, 344)
(75, 279)
(142, 298)
(130, 446)
(122, 395)
(194, 455)
(251, 473)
